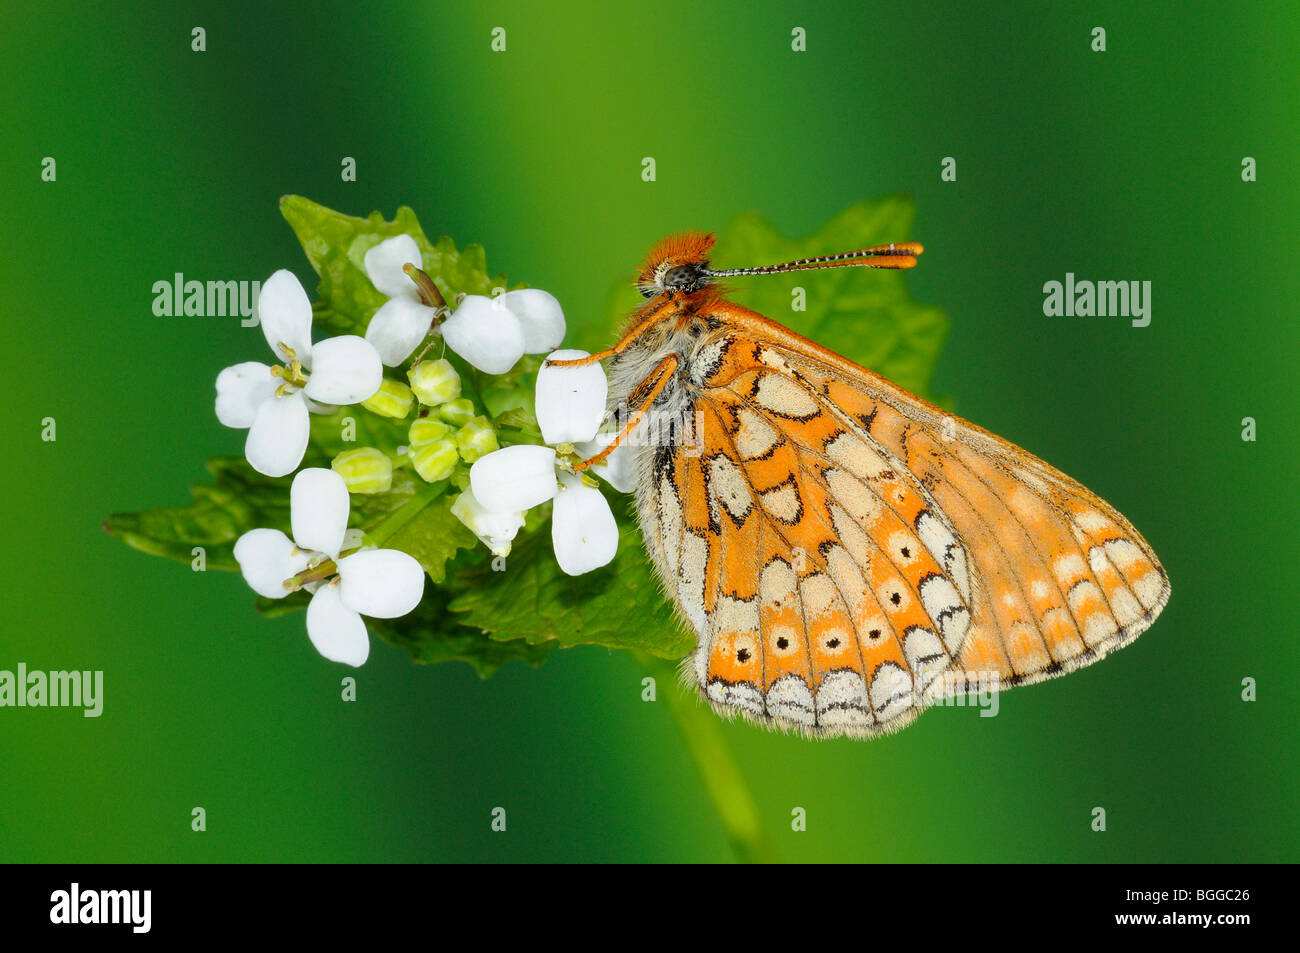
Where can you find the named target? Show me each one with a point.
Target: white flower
(566, 416)
(584, 533)
(492, 334)
(346, 582)
(570, 400)
(494, 529)
(503, 484)
(485, 333)
(540, 315)
(403, 321)
(618, 468)
(272, 402)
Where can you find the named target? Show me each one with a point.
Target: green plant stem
(406, 512)
(717, 766)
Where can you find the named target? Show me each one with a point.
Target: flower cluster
(349, 575)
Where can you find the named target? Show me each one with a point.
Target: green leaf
(238, 499)
(274, 608)
(431, 634)
(862, 313)
(336, 245)
(416, 518)
(619, 606)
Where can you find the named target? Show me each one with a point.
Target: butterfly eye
(684, 278)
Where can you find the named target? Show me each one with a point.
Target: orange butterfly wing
(849, 553)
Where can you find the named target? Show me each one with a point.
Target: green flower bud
(435, 461)
(434, 382)
(457, 412)
(475, 439)
(364, 470)
(425, 431)
(393, 399)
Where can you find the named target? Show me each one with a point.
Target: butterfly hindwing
(1065, 578)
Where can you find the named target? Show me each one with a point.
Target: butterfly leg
(654, 317)
(583, 361)
(653, 386)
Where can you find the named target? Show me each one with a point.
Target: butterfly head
(677, 265)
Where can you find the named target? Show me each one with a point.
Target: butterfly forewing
(848, 553)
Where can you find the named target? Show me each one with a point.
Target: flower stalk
(717, 766)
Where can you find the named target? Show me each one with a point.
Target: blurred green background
(1117, 165)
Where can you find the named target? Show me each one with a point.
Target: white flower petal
(319, 507)
(384, 265)
(337, 631)
(353, 539)
(541, 316)
(495, 529)
(570, 400)
(619, 468)
(241, 388)
(583, 530)
(278, 437)
(397, 329)
(285, 314)
(266, 559)
(485, 333)
(381, 583)
(515, 478)
(345, 370)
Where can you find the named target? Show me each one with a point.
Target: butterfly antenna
(893, 255)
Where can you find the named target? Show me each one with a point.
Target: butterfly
(846, 552)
